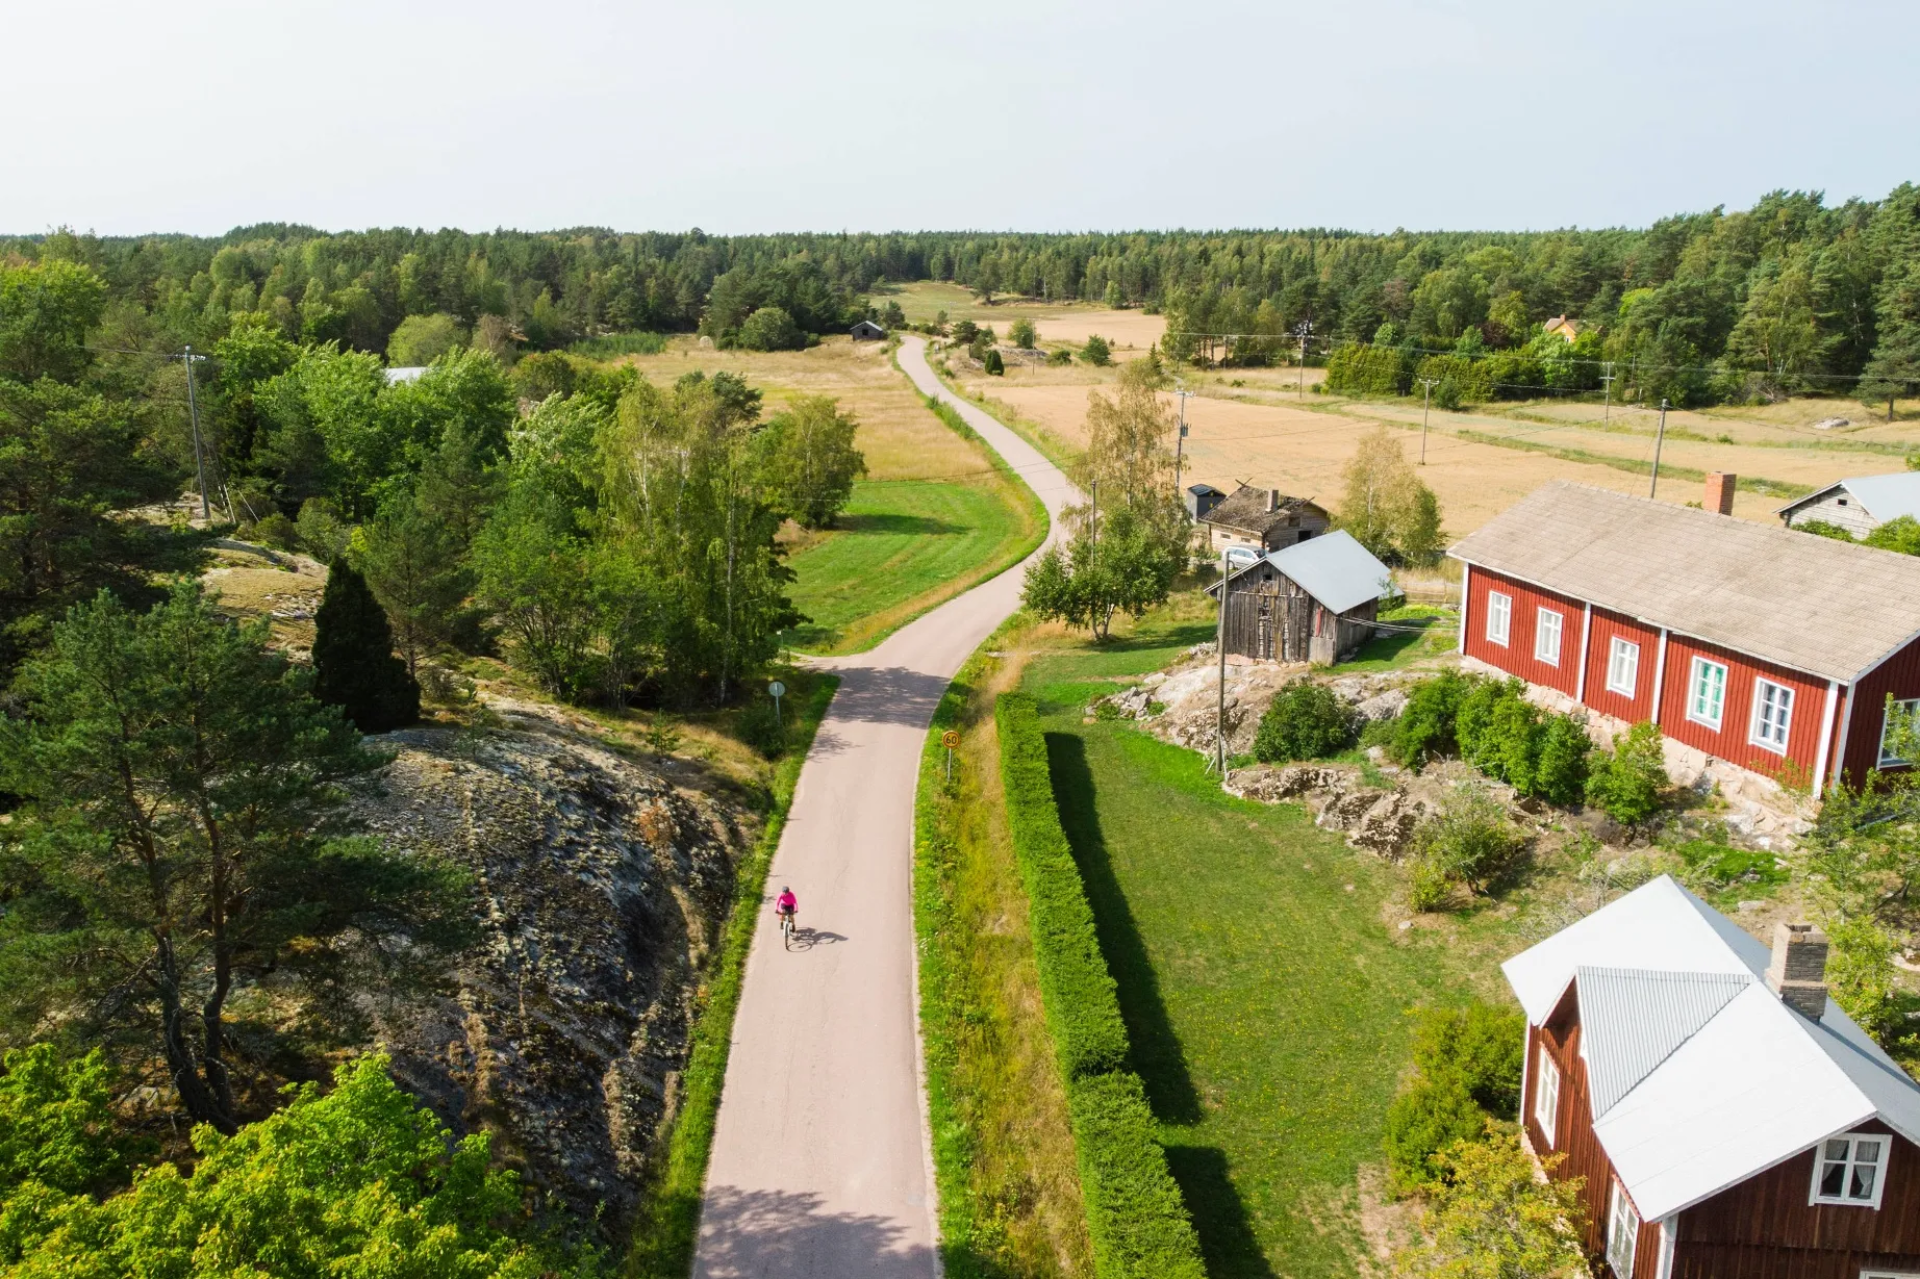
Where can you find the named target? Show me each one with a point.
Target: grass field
(902, 547)
(1129, 332)
(934, 516)
(1263, 972)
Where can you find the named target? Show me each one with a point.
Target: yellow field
(901, 439)
(1059, 324)
(1259, 432)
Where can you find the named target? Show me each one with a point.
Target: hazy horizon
(747, 118)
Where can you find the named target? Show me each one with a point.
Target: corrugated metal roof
(1633, 1019)
(1812, 603)
(1335, 569)
(1884, 497)
(1684, 1113)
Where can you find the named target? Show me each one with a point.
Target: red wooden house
(1729, 1120)
(1774, 650)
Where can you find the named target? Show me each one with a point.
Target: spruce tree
(353, 661)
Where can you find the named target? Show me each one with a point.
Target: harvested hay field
(1130, 332)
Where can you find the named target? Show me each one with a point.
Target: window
(1851, 1170)
(1546, 637)
(1623, 667)
(1772, 713)
(1887, 756)
(1623, 1233)
(1546, 1093)
(1499, 613)
(1709, 694)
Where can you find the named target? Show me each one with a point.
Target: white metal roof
(1335, 569)
(405, 373)
(1885, 497)
(1715, 1079)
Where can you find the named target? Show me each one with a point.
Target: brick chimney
(1798, 973)
(1273, 500)
(1720, 492)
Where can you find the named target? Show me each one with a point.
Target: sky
(129, 117)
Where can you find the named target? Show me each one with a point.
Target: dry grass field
(1251, 425)
(1059, 324)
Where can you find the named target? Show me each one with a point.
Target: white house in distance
(1730, 1121)
(1859, 505)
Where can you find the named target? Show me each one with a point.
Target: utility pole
(1606, 380)
(1426, 406)
(1220, 703)
(1093, 514)
(188, 359)
(1658, 439)
(1180, 440)
(1303, 331)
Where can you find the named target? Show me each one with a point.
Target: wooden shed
(868, 331)
(1315, 601)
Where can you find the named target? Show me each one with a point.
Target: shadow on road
(808, 938)
(775, 1233)
(887, 695)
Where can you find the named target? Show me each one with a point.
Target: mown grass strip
(668, 1223)
(1135, 1214)
(1746, 483)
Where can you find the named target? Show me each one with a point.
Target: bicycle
(786, 929)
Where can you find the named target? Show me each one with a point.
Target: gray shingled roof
(1812, 603)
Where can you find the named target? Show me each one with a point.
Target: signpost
(950, 739)
(779, 691)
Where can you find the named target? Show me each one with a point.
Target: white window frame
(1699, 667)
(1621, 1251)
(1910, 705)
(1546, 1094)
(1757, 730)
(1887, 1274)
(1499, 609)
(1540, 634)
(1822, 1159)
(1623, 648)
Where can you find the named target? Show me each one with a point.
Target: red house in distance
(1771, 649)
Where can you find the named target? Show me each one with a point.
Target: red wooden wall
(1606, 625)
(1899, 676)
(1517, 657)
(1730, 741)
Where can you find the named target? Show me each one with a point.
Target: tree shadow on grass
(1156, 1050)
(1228, 1244)
(898, 523)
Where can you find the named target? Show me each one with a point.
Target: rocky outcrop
(600, 890)
(1375, 820)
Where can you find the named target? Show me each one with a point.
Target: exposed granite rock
(601, 888)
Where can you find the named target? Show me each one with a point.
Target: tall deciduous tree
(417, 571)
(810, 460)
(46, 309)
(1119, 564)
(1385, 506)
(183, 834)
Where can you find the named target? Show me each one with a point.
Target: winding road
(820, 1163)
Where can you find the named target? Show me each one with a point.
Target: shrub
(323, 534)
(1560, 776)
(1082, 1008)
(1021, 334)
(1820, 528)
(1060, 357)
(1467, 1068)
(1427, 728)
(761, 729)
(1096, 351)
(994, 364)
(354, 666)
(1509, 739)
(1358, 368)
(1493, 1215)
(1471, 843)
(1626, 782)
(771, 329)
(275, 530)
(1135, 1214)
(1423, 1121)
(1428, 885)
(1305, 721)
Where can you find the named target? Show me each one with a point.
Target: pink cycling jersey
(785, 904)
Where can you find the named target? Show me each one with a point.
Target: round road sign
(777, 689)
(949, 739)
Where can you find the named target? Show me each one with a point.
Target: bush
(1820, 528)
(1471, 843)
(1626, 783)
(1467, 1063)
(1506, 737)
(323, 534)
(759, 728)
(1021, 334)
(1423, 1121)
(995, 366)
(1096, 351)
(1059, 358)
(1358, 368)
(1305, 721)
(1135, 1214)
(1427, 728)
(1082, 1007)
(771, 329)
(275, 530)
(1560, 776)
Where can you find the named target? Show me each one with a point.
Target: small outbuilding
(1201, 499)
(1859, 505)
(1264, 519)
(1315, 601)
(868, 331)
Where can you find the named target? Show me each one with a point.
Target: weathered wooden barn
(867, 331)
(1264, 519)
(1315, 601)
(1859, 505)
(1728, 1119)
(1772, 650)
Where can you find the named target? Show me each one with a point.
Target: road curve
(820, 1163)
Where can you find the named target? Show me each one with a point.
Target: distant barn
(1201, 499)
(1315, 601)
(1261, 519)
(868, 331)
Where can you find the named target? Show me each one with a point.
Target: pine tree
(353, 661)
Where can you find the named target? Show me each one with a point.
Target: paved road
(820, 1164)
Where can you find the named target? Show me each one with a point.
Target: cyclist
(787, 904)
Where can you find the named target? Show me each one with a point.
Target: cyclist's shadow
(805, 938)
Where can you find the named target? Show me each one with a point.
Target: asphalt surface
(820, 1163)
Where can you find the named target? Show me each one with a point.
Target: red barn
(1729, 1120)
(1774, 650)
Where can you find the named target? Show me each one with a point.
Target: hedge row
(1083, 1006)
(1135, 1216)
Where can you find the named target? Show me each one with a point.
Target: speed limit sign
(950, 739)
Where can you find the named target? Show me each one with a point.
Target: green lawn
(1266, 1002)
(901, 547)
